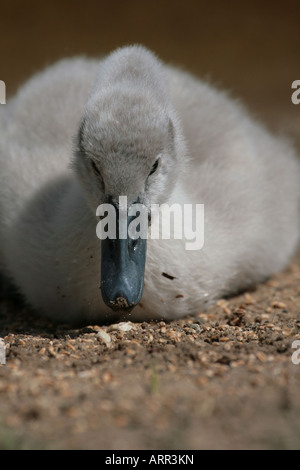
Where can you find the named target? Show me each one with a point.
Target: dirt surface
(221, 379)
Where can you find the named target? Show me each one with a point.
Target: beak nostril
(134, 243)
(111, 242)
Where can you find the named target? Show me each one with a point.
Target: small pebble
(105, 337)
(277, 304)
(197, 327)
(51, 351)
(249, 300)
(122, 326)
(261, 356)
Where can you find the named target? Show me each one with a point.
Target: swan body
(83, 130)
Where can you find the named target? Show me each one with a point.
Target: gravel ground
(223, 379)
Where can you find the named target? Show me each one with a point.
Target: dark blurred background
(251, 48)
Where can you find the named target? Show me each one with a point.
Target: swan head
(128, 144)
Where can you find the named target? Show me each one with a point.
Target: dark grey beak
(122, 269)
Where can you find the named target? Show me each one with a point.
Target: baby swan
(83, 133)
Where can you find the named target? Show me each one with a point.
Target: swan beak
(122, 270)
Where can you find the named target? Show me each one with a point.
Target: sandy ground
(223, 379)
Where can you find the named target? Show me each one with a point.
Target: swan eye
(96, 170)
(154, 168)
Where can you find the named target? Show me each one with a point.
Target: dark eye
(96, 170)
(154, 168)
